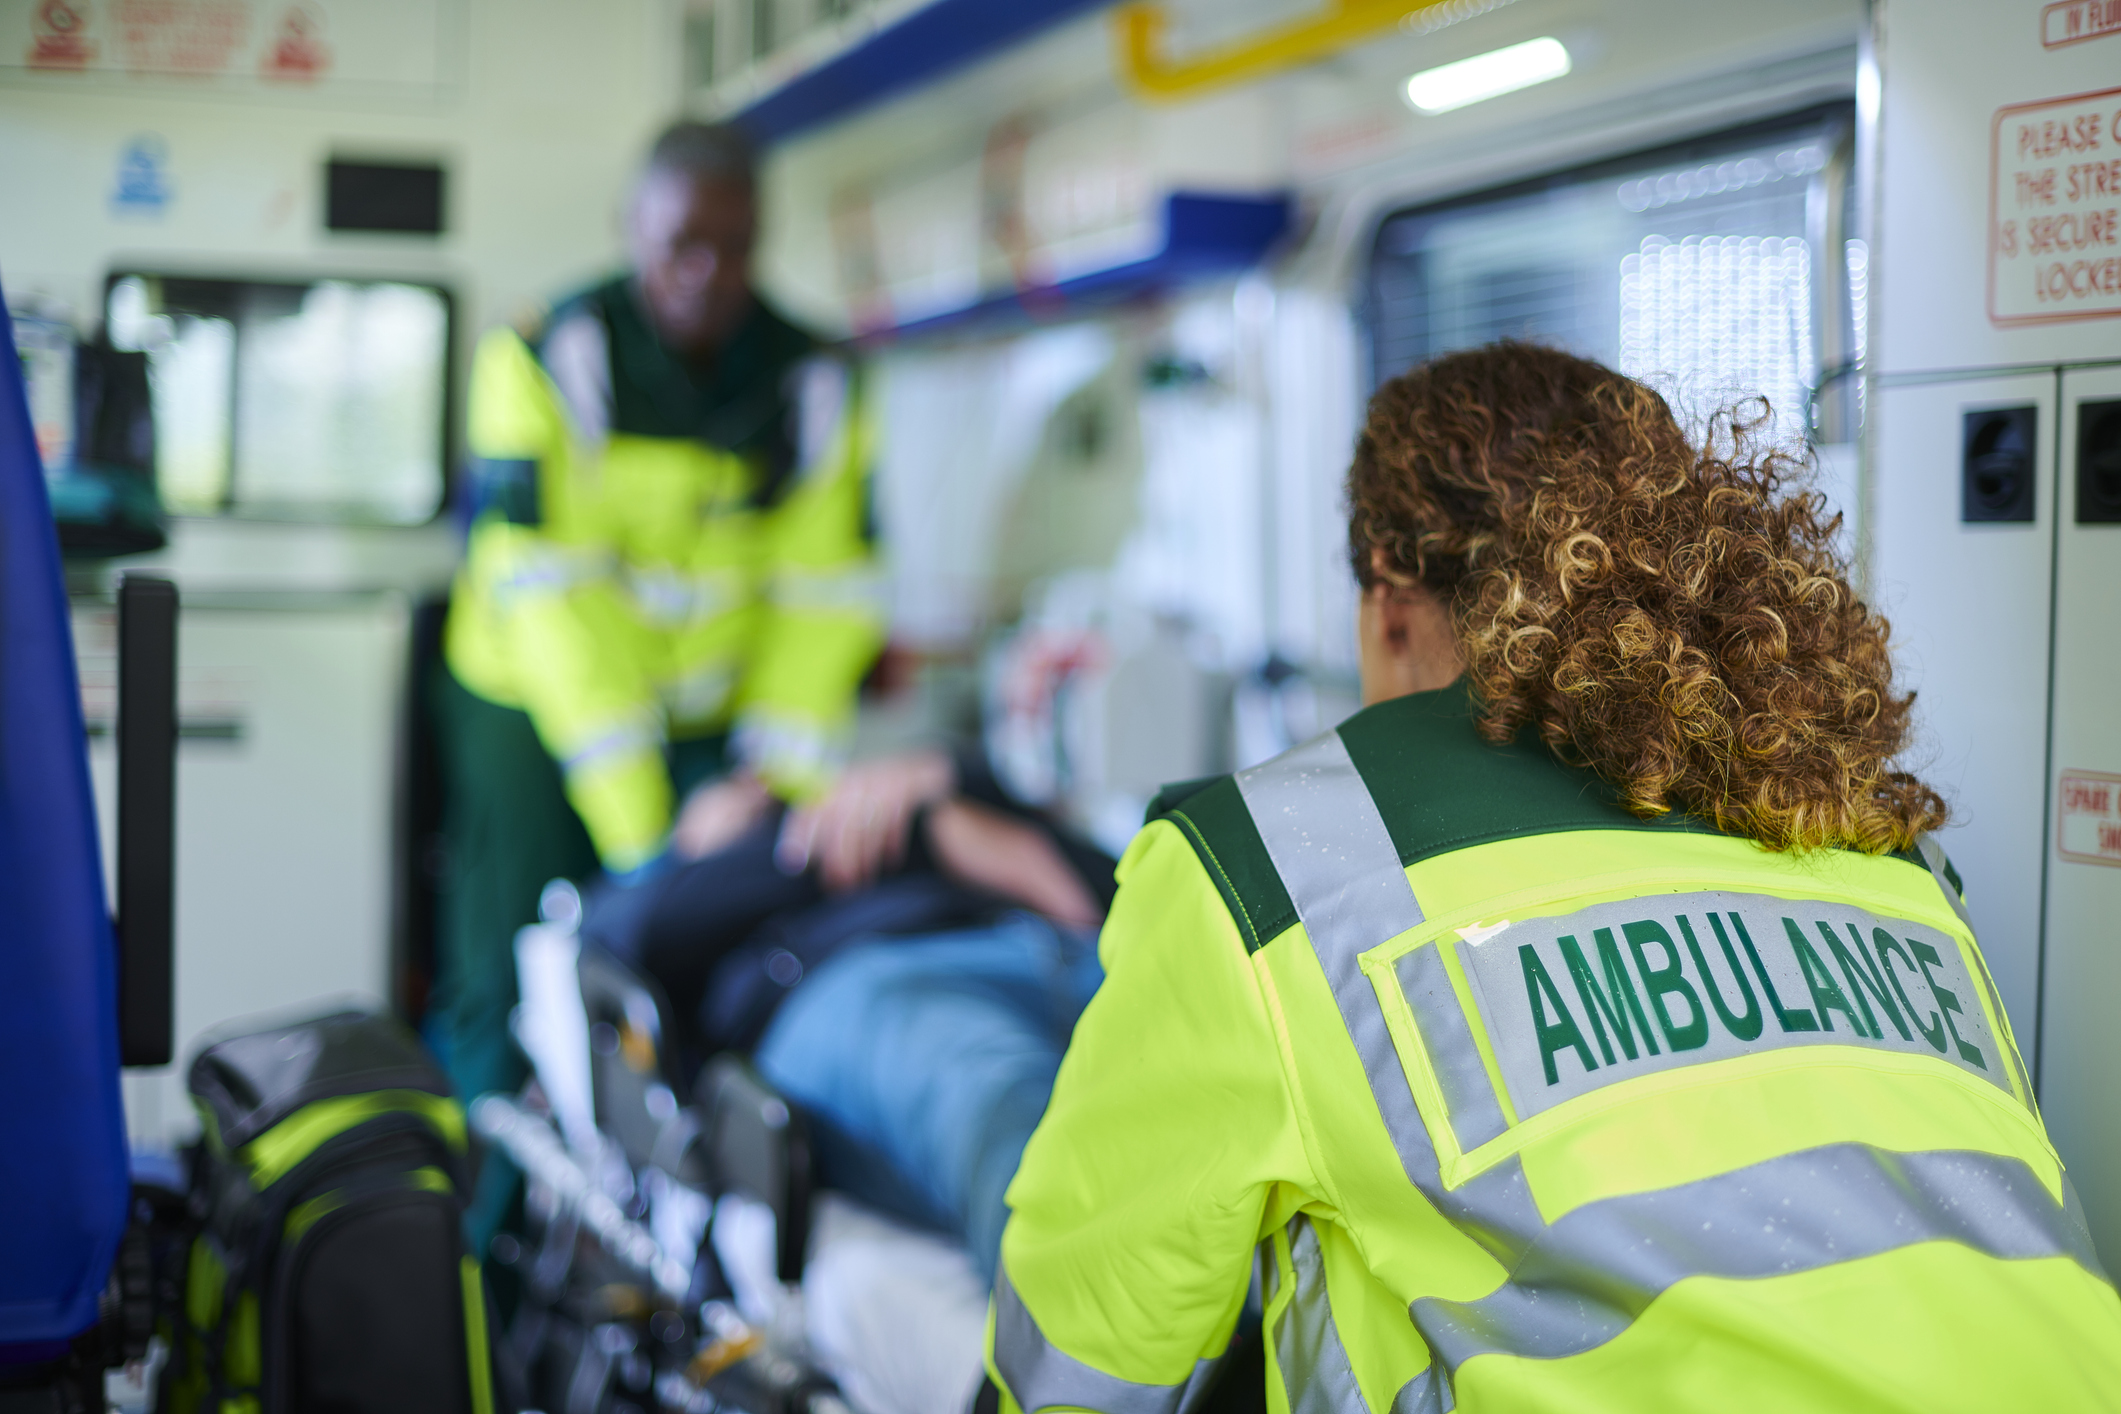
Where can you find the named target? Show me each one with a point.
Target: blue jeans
(925, 1063)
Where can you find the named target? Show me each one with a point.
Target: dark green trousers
(507, 831)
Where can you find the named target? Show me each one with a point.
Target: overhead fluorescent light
(1488, 75)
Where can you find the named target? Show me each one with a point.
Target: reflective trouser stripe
(1040, 1375)
(1316, 1373)
(1580, 1281)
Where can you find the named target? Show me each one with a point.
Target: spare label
(2088, 829)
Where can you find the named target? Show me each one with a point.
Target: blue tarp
(64, 1189)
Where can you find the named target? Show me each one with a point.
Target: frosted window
(1718, 318)
(1691, 268)
(325, 400)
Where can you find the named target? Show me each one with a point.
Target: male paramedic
(668, 583)
(1589, 1023)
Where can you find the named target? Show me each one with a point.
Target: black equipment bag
(328, 1273)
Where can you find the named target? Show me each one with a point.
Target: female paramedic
(1589, 1022)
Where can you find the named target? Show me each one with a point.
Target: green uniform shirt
(666, 549)
(1524, 1104)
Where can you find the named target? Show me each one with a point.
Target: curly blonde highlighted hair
(1662, 613)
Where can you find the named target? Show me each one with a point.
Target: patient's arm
(716, 815)
(858, 831)
(982, 847)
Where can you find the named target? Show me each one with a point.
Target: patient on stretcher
(904, 959)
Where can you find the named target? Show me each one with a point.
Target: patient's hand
(859, 829)
(716, 814)
(990, 850)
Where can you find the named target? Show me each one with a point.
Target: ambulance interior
(1121, 279)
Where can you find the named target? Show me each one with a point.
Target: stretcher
(677, 1252)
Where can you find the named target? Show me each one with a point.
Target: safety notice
(2055, 210)
(2074, 21)
(2090, 825)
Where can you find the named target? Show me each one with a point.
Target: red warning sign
(2054, 247)
(59, 37)
(2074, 21)
(2088, 828)
(193, 37)
(298, 51)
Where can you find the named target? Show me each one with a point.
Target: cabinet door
(286, 721)
(2082, 983)
(1969, 604)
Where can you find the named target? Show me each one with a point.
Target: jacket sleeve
(823, 621)
(1169, 1149)
(541, 565)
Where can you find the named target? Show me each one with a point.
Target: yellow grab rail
(1139, 29)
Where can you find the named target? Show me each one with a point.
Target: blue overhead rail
(1204, 236)
(64, 1185)
(918, 49)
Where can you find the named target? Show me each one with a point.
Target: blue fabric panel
(64, 1189)
(922, 47)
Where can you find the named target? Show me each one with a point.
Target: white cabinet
(1969, 608)
(287, 713)
(2078, 1066)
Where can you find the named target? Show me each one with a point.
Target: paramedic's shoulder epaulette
(1212, 816)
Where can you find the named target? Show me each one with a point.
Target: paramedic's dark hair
(1670, 615)
(719, 151)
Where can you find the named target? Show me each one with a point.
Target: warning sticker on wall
(2089, 829)
(2074, 21)
(2054, 249)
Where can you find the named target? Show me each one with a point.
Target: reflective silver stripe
(823, 387)
(788, 743)
(1468, 1094)
(828, 591)
(1342, 871)
(1594, 1271)
(673, 598)
(1933, 855)
(1427, 1393)
(1043, 1376)
(1579, 1282)
(699, 694)
(1315, 1369)
(618, 742)
(578, 360)
(550, 571)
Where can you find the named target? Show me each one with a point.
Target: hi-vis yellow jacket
(663, 555)
(1527, 1105)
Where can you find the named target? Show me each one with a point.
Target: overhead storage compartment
(1052, 212)
(1178, 237)
(782, 69)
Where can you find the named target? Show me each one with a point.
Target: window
(316, 400)
(1695, 268)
